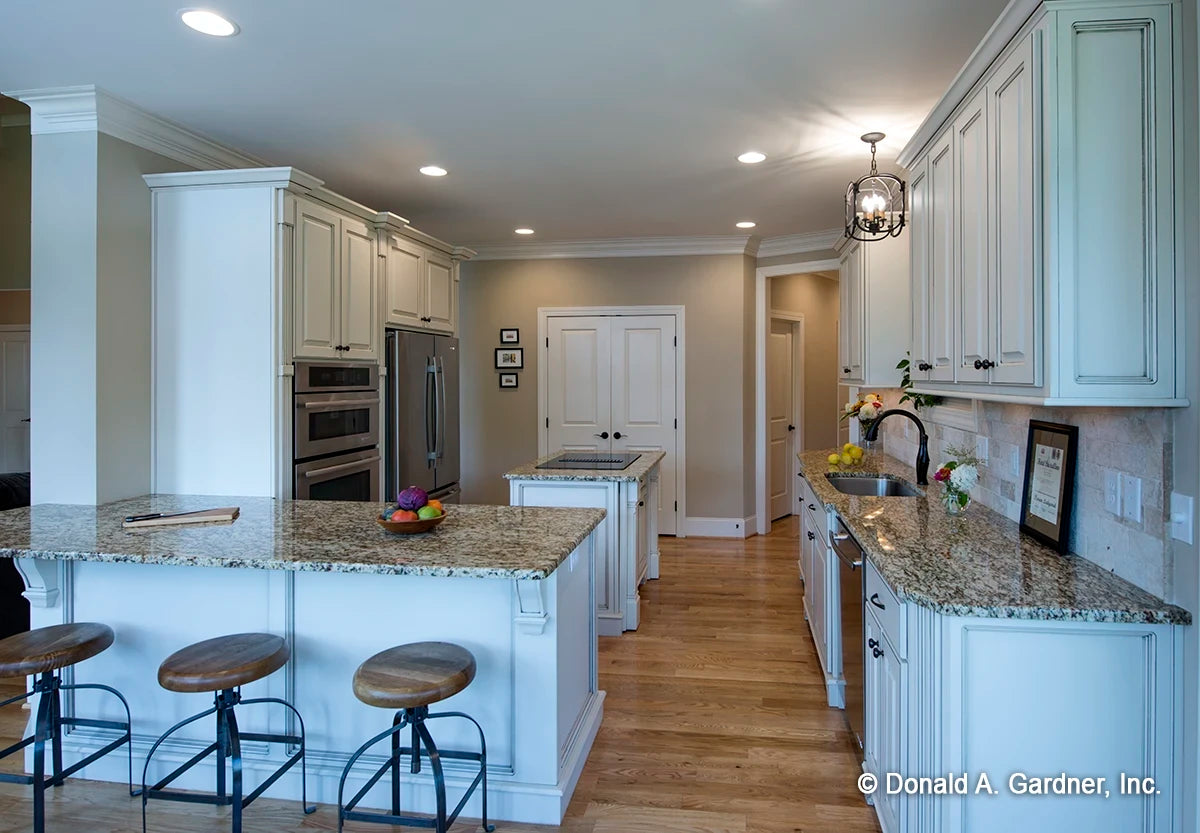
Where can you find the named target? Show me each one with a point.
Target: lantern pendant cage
(875, 203)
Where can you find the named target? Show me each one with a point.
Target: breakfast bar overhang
(513, 585)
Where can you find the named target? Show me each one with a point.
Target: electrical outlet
(981, 449)
(1131, 498)
(1182, 517)
(1112, 492)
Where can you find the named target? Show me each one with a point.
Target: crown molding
(1014, 17)
(732, 244)
(795, 244)
(90, 109)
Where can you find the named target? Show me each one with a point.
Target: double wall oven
(336, 431)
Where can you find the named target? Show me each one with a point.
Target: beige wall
(14, 207)
(499, 427)
(815, 296)
(14, 306)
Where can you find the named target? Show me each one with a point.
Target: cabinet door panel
(941, 260)
(1016, 216)
(359, 291)
(317, 299)
(1116, 206)
(971, 251)
(439, 292)
(890, 740)
(919, 269)
(851, 319)
(404, 284)
(818, 602)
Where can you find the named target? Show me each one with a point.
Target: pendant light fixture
(875, 203)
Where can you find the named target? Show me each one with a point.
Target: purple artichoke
(412, 498)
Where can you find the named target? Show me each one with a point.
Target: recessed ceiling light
(752, 157)
(523, 230)
(208, 22)
(433, 170)
(746, 224)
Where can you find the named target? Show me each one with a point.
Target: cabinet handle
(924, 366)
(812, 507)
(877, 652)
(875, 601)
(811, 535)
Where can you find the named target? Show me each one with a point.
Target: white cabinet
(819, 567)
(335, 300)
(1052, 295)
(884, 717)
(872, 337)
(420, 284)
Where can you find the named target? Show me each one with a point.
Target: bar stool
(223, 665)
(42, 653)
(410, 678)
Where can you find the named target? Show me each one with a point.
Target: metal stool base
(228, 745)
(421, 743)
(48, 727)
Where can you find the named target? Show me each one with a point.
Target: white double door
(611, 387)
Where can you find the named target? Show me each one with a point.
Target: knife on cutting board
(224, 514)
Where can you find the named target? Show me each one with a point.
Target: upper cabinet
(421, 284)
(1043, 232)
(873, 327)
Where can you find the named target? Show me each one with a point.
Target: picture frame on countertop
(1049, 490)
(508, 381)
(510, 358)
(510, 335)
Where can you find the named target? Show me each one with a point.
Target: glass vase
(955, 500)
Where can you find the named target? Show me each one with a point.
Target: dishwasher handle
(843, 543)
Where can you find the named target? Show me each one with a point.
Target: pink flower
(942, 475)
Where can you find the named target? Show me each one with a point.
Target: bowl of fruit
(414, 512)
(851, 455)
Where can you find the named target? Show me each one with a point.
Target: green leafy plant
(919, 400)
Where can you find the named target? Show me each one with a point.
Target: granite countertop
(976, 564)
(507, 542)
(636, 470)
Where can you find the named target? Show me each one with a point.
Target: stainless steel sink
(871, 484)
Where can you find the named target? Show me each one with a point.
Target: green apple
(427, 512)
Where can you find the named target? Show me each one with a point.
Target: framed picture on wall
(508, 380)
(510, 358)
(1049, 490)
(510, 336)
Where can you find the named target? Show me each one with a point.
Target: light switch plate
(981, 449)
(1131, 498)
(1112, 492)
(1182, 517)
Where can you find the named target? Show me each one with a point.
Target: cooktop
(590, 460)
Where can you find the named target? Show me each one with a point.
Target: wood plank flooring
(715, 721)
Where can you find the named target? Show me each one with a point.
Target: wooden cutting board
(224, 514)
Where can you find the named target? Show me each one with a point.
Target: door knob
(617, 435)
(791, 427)
(602, 435)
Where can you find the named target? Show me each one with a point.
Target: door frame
(762, 323)
(543, 383)
(796, 320)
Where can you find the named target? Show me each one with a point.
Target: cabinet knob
(877, 652)
(984, 364)
(924, 366)
(872, 643)
(845, 370)
(811, 535)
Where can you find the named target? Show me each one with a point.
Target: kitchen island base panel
(535, 692)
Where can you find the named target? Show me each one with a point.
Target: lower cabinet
(819, 571)
(1015, 700)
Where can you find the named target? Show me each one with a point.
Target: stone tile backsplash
(1131, 441)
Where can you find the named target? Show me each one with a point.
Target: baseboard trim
(720, 527)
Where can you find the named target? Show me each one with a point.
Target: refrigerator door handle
(440, 376)
(430, 425)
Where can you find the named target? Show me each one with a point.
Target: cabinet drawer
(886, 608)
(809, 498)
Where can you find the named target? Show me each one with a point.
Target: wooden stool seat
(414, 675)
(223, 662)
(48, 649)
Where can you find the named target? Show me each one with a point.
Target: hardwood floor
(715, 721)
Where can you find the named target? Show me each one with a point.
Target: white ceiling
(583, 120)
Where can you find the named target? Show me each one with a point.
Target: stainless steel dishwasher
(850, 574)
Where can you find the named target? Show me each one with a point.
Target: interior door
(971, 251)
(643, 398)
(359, 298)
(780, 396)
(578, 371)
(317, 290)
(14, 409)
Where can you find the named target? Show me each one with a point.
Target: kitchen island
(626, 540)
(513, 585)
(974, 649)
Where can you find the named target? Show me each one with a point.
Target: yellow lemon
(846, 458)
(834, 459)
(847, 446)
(856, 453)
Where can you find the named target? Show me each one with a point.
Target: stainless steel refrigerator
(422, 414)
